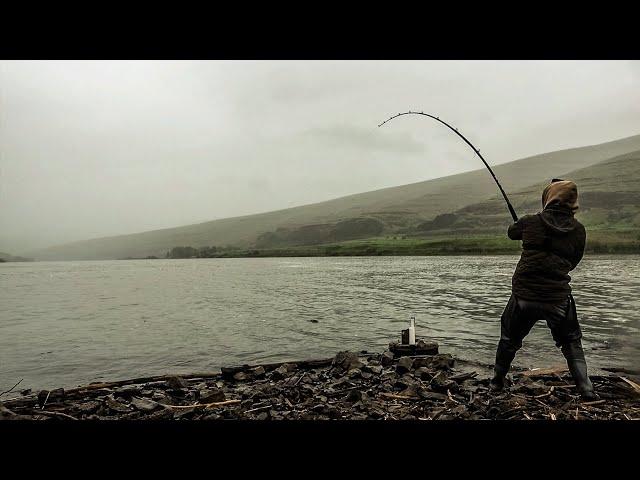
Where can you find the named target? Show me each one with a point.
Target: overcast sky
(98, 148)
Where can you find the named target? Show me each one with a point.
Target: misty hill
(609, 196)
(361, 215)
(5, 257)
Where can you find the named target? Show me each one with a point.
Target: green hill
(382, 212)
(609, 194)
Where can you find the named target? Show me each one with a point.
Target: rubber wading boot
(497, 382)
(577, 364)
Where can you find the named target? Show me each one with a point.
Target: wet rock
(144, 404)
(441, 383)
(117, 406)
(442, 361)
(404, 365)
(25, 392)
(50, 396)
(430, 395)
(262, 416)
(7, 414)
(127, 391)
(423, 373)
(290, 367)
(241, 376)
(88, 407)
(212, 416)
(279, 373)
(373, 369)
(410, 391)
(354, 396)
(386, 359)
(258, 372)
(347, 361)
(183, 413)
(176, 383)
(211, 395)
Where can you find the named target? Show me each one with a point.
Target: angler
(553, 244)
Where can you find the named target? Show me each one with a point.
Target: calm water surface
(70, 323)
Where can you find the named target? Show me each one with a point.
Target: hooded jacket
(553, 244)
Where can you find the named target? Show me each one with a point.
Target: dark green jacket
(553, 244)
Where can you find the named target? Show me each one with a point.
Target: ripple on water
(108, 320)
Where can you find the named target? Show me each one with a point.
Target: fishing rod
(455, 130)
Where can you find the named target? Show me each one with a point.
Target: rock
(443, 361)
(176, 383)
(127, 391)
(6, 414)
(429, 395)
(354, 396)
(258, 372)
(410, 391)
(290, 367)
(211, 395)
(404, 381)
(88, 407)
(143, 404)
(347, 361)
(159, 396)
(52, 396)
(279, 373)
(25, 392)
(241, 376)
(423, 373)
(404, 365)
(374, 369)
(182, 413)
(212, 416)
(441, 383)
(387, 358)
(117, 406)
(440, 361)
(262, 416)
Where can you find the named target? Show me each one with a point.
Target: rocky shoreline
(398, 384)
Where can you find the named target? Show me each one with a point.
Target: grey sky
(100, 148)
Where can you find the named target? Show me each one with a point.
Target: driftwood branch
(634, 385)
(542, 372)
(7, 391)
(47, 413)
(202, 405)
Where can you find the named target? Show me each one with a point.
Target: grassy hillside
(609, 195)
(387, 211)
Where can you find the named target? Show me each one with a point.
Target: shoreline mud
(398, 384)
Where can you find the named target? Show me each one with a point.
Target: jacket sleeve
(515, 231)
(581, 243)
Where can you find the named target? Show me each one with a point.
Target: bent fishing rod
(455, 130)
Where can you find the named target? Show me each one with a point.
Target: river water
(70, 323)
